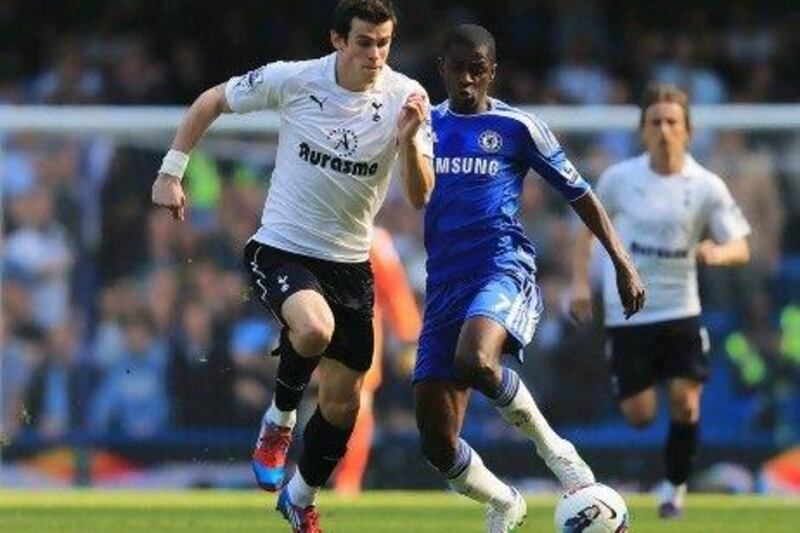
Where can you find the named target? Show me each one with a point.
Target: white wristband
(174, 164)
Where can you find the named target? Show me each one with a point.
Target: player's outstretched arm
(167, 189)
(415, 164)
(732, 253)
(629, 284)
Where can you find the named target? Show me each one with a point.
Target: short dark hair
(372, 11)
(664, 92)
(470, 35)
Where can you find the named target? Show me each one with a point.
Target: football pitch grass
(406, 512)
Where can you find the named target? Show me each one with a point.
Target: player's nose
(373, 54)
(465, 79)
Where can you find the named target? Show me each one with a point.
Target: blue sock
(505, 392)
(461, 462)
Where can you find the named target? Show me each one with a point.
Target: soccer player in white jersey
(481, 300)
(345, 119)
(661, 203)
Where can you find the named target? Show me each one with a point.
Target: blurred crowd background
(569, 51)
(123, 330)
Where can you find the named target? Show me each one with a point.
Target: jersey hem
(299, 250)
(663, 317)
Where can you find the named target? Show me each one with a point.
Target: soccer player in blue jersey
(481, 297)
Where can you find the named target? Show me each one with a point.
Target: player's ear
(440, 65)
(493, 72)
(338, 42)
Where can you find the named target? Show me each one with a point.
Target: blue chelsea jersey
(471, 227)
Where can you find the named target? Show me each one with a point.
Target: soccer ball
(593, 509)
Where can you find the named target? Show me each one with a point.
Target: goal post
(570, 119)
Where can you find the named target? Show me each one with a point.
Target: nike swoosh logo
(610, 509)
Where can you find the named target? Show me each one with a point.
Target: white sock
(301, 493)
(478, 483)
(673, 493)
(523, 413)
(285, 419)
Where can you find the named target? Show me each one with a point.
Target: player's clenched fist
(168, 193)
(413, 114)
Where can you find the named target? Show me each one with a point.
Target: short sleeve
(262, 88)
(726, 220)
(544, 154)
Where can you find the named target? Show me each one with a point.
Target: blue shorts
(512, 300)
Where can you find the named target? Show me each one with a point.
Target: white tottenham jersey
(661, 219)
(336, 149)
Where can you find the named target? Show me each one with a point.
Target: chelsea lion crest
(490, 141)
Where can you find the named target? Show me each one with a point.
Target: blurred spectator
(132, 394)
(17, 166)
(116, 56)
(200, 370)
(163, 240)
(220, 290)
(754, 352)
(750, 175)
(241, 201)
(21, 353)
(57, 168)
(161, 299)
(683, 69)
(68, 79)
(580, 78)
(54, 399)
(789, 161)
(570, 26)
(116, 302)
(621, 143)
(40, 251)
(746, 41)
(125, 201)
(188, 70)
(251, 343)
(136, 76)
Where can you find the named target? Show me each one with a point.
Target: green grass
(406, 512)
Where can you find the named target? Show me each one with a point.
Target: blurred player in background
(346, 118)
(396, 307)
(481, 298)
(662, 203)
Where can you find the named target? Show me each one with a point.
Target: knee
(639, 418)
(684, 410)
(311, 337)
(439, 449)
(477, 367)
(340, 412)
